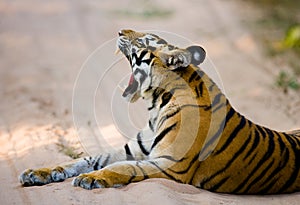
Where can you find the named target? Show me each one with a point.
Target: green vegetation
(279, 29)
(286, 82)
(292, 37)
(144, 10)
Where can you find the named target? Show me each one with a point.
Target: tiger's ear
(176, 58)
(197, 54)
(181, 58)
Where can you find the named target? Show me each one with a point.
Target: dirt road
(43, 45)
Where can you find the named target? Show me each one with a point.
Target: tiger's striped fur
(193, 136)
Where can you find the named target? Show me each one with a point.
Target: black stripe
(172, 158)
(283, 162)
(166, 97)
(162, 134)
(133, 174)
(171, 47)
(206, 107)
(106, 161)
(250, 123)
(150, 108)
(280, 142)
(134, 56)
(167, 116)
(150, 87)
(267, 188)
(233, 134)
(143, 75)
(235, 156)
(151, 125)
(88, 159)
(155, 95)
(201, 88)
(128, 153)
(138, 59)
(253, 157)
(157, 92)
(190, 164)
(217, 99)
(145, 175)
(295, 173)
(95, 167)
(195, 76)
(261, 130)
(147, 41)
(291, 139)
(148, 61)
(164, 172)
(296, 140)
(197, 91)
(219, 184)
(151, 48)
(254, 145)
(140, 143)
(219, 107)
(260, 176)
(229, 115)
(269, 151)
(161, 41)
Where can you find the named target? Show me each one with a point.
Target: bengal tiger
(193, 135)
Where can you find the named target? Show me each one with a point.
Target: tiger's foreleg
(43, 176)
(123, 173)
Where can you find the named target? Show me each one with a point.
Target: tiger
(193, 135)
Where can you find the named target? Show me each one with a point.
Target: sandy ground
(43, 45)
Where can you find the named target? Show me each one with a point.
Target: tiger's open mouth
(130, 92)
(131, 87)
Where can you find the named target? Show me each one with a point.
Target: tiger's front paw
(89, 181)
(42, 176)
(100, 179)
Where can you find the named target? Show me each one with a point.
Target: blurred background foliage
(144, 9)
(279, 29)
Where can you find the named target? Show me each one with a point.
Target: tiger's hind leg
(31, 177)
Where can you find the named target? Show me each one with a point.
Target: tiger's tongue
(132, 86)
(131, 80)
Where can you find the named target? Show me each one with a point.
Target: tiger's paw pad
(88, 181)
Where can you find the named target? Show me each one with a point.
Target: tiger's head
(142, 49)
